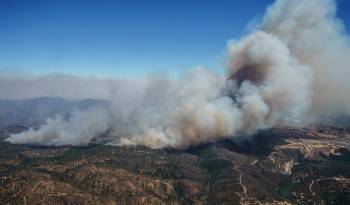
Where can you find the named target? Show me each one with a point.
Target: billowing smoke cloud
(317, 39)
(293, 66)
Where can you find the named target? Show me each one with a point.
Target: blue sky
(123, 38)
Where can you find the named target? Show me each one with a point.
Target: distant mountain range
(33, 112)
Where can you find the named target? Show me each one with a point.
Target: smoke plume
(292, 68)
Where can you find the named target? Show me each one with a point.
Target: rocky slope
(284, 165)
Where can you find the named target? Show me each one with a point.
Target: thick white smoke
(317, 39)
(80, 129)
(293, 66)
(272, 85)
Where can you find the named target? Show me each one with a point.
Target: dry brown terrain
(283, 165)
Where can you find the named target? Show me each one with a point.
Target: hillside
(284, 165)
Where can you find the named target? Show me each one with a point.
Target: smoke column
(291, 68)
(317, 39)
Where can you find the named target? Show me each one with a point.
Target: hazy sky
(123, 38)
